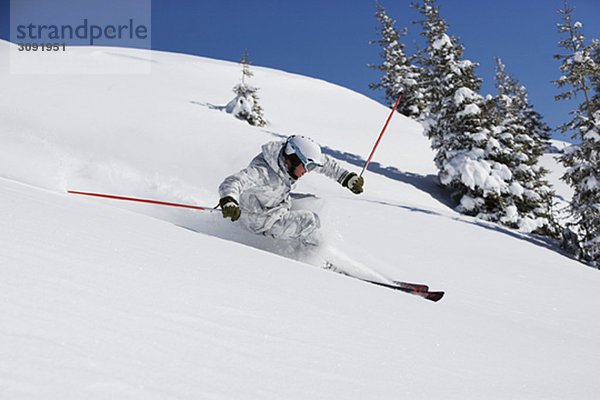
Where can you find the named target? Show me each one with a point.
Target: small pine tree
(522, 138)
(398, 72)
(245, 104)
(583, 160)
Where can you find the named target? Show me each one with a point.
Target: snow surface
(107, 299)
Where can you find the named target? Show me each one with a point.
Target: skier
(259, 195)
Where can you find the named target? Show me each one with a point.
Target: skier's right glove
(230, 208)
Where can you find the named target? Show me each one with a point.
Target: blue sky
(328, 39)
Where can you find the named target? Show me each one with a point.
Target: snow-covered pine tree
(245, 104)
(433, 27)
(460, 123)
(522, 138)
(398, 71)
(596, 79)
(583, 160)
(583, 174)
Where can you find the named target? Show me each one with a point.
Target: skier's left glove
(354, 183)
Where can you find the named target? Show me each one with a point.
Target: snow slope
(106, 299)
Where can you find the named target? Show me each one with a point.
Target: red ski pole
(162, 203)
(381, 134)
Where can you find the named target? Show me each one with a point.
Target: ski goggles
(298, 158)
(310, 165)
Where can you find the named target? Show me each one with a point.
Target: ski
(414, 286)
(416, 289)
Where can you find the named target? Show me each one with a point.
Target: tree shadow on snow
(425, 183)
(430, 185)
(541, 241)
(209, 105)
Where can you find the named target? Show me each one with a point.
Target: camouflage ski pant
(302, 225)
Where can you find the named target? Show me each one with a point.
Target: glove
(354, 183)
(230, 208)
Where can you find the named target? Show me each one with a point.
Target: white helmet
(306, 149)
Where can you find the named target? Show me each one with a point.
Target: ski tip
(434, 296)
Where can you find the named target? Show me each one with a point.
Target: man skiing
(259, 195)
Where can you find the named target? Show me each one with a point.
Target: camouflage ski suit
(263, 192)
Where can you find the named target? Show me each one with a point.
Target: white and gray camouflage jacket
(263, 188)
